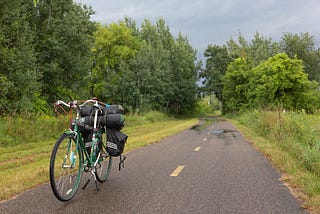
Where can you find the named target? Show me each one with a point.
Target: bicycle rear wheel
(65, 167)
(103, 167)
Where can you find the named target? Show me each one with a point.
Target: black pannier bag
(115, 142)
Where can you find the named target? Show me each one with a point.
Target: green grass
(292, 142)
(26, 144)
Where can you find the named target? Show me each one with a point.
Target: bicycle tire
(65, 167)
(104, 165)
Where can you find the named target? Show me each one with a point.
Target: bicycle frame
(90, 158)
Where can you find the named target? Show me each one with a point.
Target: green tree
(165, 36)
(219, 57)
(151, 78)
(217, 60)
(238, 48)
(149, 34)
(18, 71)
(236, 85)
(256, 50)
(303, 46)
(261, 49)
(144, 68)
(280, 82)
(172, 69)
(183, 76)
(152, 66)
(63, 45)
(114, 48)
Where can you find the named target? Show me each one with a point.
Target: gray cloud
(215, 22)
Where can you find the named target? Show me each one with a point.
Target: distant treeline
(52, 50)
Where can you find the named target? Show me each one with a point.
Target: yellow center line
(197, 149)
(177, 171)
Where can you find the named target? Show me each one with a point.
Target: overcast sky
(207, 22)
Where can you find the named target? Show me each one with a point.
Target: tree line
(51, 50)
(265, 74)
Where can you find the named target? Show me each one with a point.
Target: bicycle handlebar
(74, 104)
(61, 102)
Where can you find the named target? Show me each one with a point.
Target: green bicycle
(72, 155)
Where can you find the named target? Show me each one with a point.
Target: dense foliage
(44, 53)
(63, 42)
(144, 69)
(51, 50)
(19, 75)
(264, 74)
(278, 82)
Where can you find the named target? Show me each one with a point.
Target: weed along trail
(202, 170)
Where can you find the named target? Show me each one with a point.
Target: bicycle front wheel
(103, 167)
(65, 167)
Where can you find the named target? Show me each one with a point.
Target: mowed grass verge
(26, 165)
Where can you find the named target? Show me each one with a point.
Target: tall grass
(147, 118)
(292, 142)
(17, 130)
(21, 129)
(296, 133)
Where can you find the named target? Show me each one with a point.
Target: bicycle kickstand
(89, 179)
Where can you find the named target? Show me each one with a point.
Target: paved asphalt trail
(221, 173)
